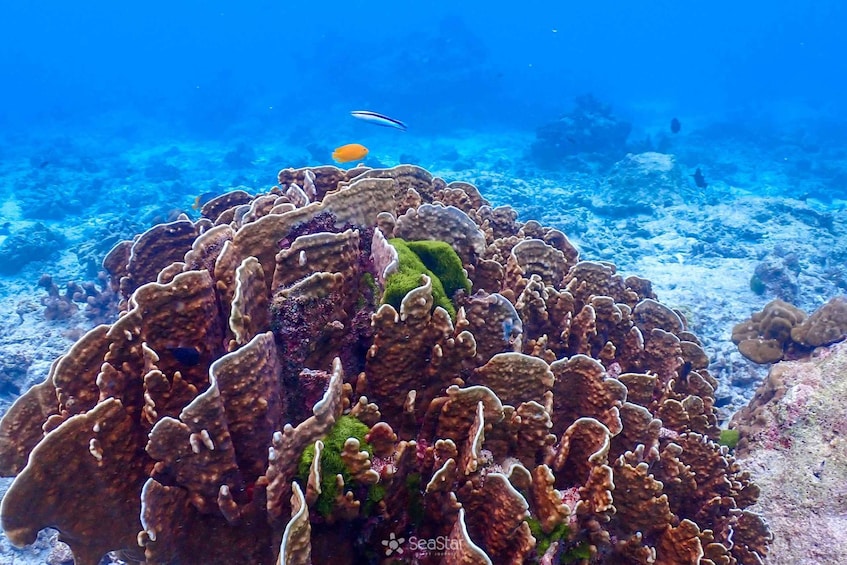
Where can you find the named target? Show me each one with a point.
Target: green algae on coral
(332, 464)
(577, 554)
(412, 266)
(367, 281)
(376, 493)
(544, 540)
(729, 438)
(415, 507)
(574, 554)
(443, 261)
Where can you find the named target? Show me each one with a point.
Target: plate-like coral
(563, 414)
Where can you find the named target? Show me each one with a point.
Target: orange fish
(349, 152)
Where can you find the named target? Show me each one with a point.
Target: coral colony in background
(375, 366)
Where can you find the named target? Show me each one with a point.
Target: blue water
(115, 116)
(119, 115)
(210, 68)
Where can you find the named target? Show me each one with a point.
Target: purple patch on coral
(323, 222)
(313, 385)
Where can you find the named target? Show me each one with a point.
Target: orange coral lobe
(349, 152)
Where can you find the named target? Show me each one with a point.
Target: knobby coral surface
(564, 414)
(783, 331)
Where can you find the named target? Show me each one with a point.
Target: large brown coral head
(562, 413)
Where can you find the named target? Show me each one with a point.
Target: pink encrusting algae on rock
(792, 439)
(314, 424)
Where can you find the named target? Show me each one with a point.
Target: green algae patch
(729, 438)
(367, 289)
(416, 505)
(578, 554)
(544, 540)
(431, 258)
(568, 552)
(441, 259)
(375, 495)
(332, 464)
(369, 282)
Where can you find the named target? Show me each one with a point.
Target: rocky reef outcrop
(792, 439)
(590, 128)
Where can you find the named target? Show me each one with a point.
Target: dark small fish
(685, 370)
(819, 471)
(675, 126)
(188, 356)
(699, 179)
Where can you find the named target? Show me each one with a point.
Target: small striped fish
(378, 119)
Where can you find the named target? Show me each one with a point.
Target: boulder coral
(783, 331)
(563, 415)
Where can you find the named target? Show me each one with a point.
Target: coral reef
(783, 331)
(777, 275)
(13, 369)
(641, 182)
(61, 182)
(590, 127)
(25, 246)
(563, 414)
(57, 306)
(766, 336)
(99, 299)
(792, 440)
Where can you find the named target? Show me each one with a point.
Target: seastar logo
(392, 545)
